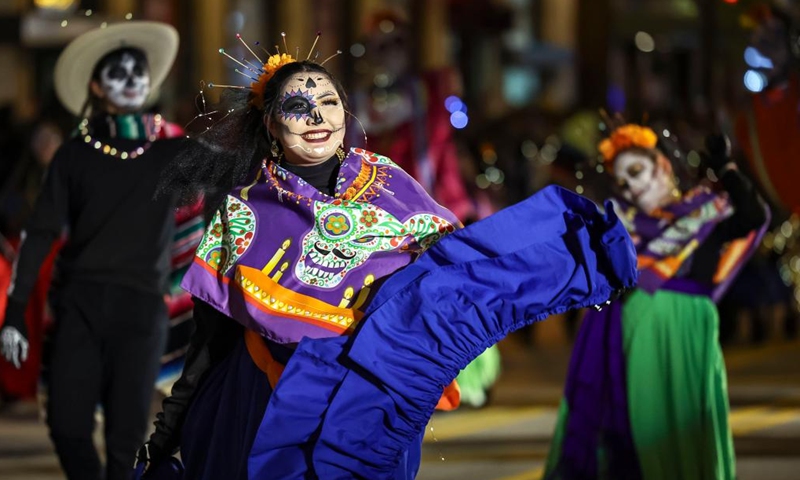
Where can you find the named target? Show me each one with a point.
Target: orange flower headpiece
(625, 137)
(261, 75)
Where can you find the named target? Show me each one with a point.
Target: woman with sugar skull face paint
(122, 81)
(114, 270)
(329, 268)
(646, 393)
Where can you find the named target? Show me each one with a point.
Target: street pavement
(509, 439)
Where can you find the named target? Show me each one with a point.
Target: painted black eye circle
(117, 72)
(296, 105)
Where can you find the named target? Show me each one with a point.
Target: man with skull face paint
(309, 257)
(109, 293)
(646, 393)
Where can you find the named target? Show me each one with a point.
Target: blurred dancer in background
(109, 300)
(646, 395)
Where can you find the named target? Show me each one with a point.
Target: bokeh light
(644, 42)
(357, 50)
(755, 59)
(459, 120)
(755, 81)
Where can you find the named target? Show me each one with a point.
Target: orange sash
(450, 399)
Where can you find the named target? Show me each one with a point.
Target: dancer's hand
(150, 455)
(617, 296)
(14, 345)
(14, 335)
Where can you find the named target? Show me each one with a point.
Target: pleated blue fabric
(357, 407)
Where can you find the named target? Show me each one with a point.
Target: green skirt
(677, 389)
(477, 378)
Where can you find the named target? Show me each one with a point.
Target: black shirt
(117, 233)
(321, 176)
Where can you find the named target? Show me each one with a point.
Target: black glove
(618, 296)
(718, 153)
(151, 454)
(14, 334)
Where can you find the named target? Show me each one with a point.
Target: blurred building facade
(526, 65)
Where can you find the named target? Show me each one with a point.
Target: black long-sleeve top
(117, 233)
(749, 213)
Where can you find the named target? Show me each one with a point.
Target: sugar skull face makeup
(642, 181)
(125, 80)
(310, 122)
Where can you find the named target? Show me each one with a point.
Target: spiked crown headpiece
(261, 75)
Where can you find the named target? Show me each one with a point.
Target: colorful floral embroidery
(243, 242)
(337, 224)
(218, 230)
(228, 237)
(346, 234)
(368, 218)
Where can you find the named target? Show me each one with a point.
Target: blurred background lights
(494, 175)
(786, 228)
(459, 119)
(529, 149)
(554, 141)
(236, 20)
(693, 159)
(386, 26)
(482, 182)
(454, 104)
(382, 80)
(755, 81)
(54, 4)
(755, 59)
(644, 42)
(357, 50)
(548, 154)
(458, 111)
(488, 154)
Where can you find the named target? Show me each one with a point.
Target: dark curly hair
(221, 157)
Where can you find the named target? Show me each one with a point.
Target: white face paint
(125, 83)
(310, 121)
(641, 182)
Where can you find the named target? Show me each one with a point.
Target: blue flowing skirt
(223, 419)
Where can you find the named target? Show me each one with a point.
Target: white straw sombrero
(76, 63)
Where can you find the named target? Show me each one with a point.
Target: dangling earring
(362, 128)
(676, 192)
(275, 151)
(340, 153)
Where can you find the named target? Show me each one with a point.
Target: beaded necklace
(114, 152)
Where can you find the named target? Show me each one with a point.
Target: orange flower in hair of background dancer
(625, 137)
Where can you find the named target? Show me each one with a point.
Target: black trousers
(106, 350)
